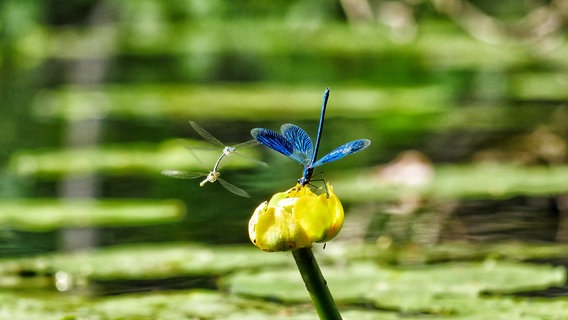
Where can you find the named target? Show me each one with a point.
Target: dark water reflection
(521, 218)
(532, 219)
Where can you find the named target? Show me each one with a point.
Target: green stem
(316, 284)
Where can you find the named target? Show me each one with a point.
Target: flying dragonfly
(296, 144)
(212, 176)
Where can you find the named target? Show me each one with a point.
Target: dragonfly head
(229, 150)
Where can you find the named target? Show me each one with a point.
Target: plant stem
(316, 284)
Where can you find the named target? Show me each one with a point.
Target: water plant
(294, 219)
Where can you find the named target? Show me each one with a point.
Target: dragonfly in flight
(214, 174)
(296, 144)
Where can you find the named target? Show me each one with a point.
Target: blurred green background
(466, 104)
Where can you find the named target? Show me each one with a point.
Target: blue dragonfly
(296, 144)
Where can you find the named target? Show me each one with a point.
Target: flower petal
(320, 216)
(295, 219)
(274, 229)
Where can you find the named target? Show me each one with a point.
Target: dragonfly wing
(262, 163)
(245, 144)
(197, 159)
(232, 188)
(275, 141)
(183, 174)
(303, 148)
(343, 150)
(205, 135)
(201, 148)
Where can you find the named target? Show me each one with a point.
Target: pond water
(466, 171)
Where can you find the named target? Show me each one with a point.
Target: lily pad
(540, 86)
(194, 304)
(448, 290)
(50, 214)
(489, 181)
(233, 102)
(179, 305)
(122, 159)
(44, 306)
(405, 289)
(212, 37)
(150, 261)
(450, 251)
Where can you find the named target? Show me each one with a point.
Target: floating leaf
(123, 159)
(49, 214)
(461, 181)
(148, 261)
(233, 102)
(404, 289)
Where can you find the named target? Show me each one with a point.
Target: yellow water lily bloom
(295, 219)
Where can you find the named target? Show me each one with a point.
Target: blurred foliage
(139, 159)
(48, 214)
(483, 181)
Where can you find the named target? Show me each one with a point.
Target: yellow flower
(295, 219)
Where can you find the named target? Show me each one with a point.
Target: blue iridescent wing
(343, 150)
(303, 148)
(274, 141)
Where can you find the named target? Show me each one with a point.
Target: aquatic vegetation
(93, 92)
(294, 219)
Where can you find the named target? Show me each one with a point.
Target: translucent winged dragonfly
(296, 144)
(214, 174)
